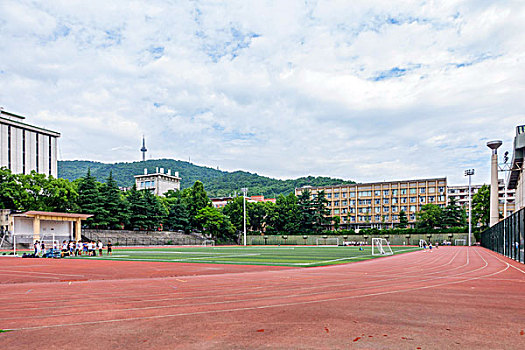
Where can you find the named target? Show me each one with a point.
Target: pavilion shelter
(31, 226)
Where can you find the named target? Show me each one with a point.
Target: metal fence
(507, 237)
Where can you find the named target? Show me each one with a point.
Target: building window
(377, 218)
(404, 208)
(403, 199)
(431, 199)
(23, 151)
(412, 217)
(394, 192)
(394, 209)
(403, 191)
(385, 200)
(336, 195)
(412, 208)
(345, 203)
(344, 210)
(365, 193)
(422, 190)
(377, 209)
(386, 209)
(336, 203)
(394, 200)
(442, 189)
(9, 147)
(377, 201)
(37, 151)
(421, 199)
(352, 194)
(352, 201)
(377, 193)
(395, 217)
(336, 211)
(412, 191)
(343, 194)
(385, 193)
(50, 158)
(328, 195)
(432, 190)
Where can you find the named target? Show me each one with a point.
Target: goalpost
(327, 242)
(380, 246)
(208, 242)
(422, 243)
(460, 241)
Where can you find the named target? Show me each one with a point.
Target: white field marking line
(41, 273)
(257, 248)
(135, 296)
(154, 252)
(264, 306)
(185, 259)
(431, 268)
(256, 287)
(349, 258)
(503, 261)
(207, 303)
(46, 277)
(252, 293)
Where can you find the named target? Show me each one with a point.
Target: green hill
(216, 182)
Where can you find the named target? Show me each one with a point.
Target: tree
(256, 215)
(481, 207)
(154, 210)
(235, 211)
(321, 215)
(178, 216)
(215, 224)
(90, 201)
(115, 207)
(337, 222)
(12, 194)
(430, 216)
(196, 199)
(307, 211)
(138, 219)
(403, 220)
(454, 215)
(286, 217)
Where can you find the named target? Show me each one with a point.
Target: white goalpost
(460, 241)
(327, 242)
(422, 243)
(208, 242)
(380, 246)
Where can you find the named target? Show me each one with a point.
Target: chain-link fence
(507, 236)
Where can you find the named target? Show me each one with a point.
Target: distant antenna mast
(143, 149)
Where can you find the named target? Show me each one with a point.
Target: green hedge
(374, 231)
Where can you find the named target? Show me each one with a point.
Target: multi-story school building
(25, 147)
(378, 204)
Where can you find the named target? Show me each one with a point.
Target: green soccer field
(251, 255)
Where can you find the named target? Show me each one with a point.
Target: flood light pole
(244, 192)
(469, 173)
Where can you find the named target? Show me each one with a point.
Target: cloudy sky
(362, 90)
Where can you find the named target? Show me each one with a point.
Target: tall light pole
(494, 185)
(469, 173)
(244, 192)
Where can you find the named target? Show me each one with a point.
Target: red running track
(454, 297)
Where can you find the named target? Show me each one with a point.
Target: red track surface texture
(463, 298)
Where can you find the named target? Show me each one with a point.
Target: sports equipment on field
(422, 243)
(327, 242)
(380, 246)
(208, 242)
(460, 242)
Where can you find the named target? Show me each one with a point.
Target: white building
(158, 182)
(25, 147)
(460, 194)
(516, 180)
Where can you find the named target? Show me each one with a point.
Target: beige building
(158, 182)
(460, 194)
(378, 204)
(25, 147)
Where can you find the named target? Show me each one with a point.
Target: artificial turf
(251, 255)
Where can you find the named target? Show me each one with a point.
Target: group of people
(74, 248)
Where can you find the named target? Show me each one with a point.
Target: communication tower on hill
(143, 149)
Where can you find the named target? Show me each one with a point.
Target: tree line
(191, 209)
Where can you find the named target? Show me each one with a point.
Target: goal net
(460, 242)
(422, 243)
(208, 242)
(380, 246)
(327, 242)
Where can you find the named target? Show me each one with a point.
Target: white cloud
(364, 90)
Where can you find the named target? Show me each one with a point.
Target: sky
(360, 90)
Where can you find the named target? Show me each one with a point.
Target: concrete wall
(393, 239)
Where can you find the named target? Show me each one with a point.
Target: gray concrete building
(158, 182)
(25, 147)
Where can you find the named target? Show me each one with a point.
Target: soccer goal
(422, 243)
(208, 242)
(460, 241)
(327, 242)
(380, 246)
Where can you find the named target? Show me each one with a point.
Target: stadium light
(469, 173)
(244, 191)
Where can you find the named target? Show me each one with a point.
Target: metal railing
(507, 237)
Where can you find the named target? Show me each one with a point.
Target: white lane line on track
(39, 273)
(349, 258)
(266, 306)
(503, 261)
(236, 301)
(244, 293)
